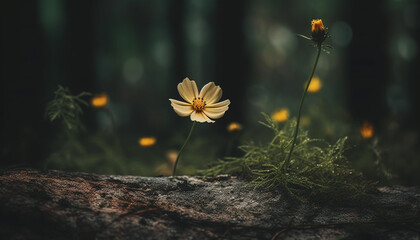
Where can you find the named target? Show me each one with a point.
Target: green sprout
(67, 108)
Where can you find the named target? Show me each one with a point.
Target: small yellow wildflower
(366, 130)
(281, 115)
(234, 127)
(315, 85)
(147, 141)
(99, 100)
(171, 155)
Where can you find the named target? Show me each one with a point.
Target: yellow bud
(317, 26)
(318, 31)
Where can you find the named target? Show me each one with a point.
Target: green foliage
(67, 108)
(317, 169)
(81, 151)
(96, 153)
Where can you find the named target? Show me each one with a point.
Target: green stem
(287, 163)
(182, 148)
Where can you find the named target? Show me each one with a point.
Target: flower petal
(183, 109)
(207, 119)
(224, 103)
(217, 110)
(188, 90)
(215, 114)
(200, 117)
(211, 93)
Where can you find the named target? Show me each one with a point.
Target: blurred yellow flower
(315, 85)
(366, 130)
(171, 155)
(99, 100)
(200, 106)
(281, 115)
(234, 127)
(147, 141)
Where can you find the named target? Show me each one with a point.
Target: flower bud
(318, 32)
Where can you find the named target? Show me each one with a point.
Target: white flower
(200, 106)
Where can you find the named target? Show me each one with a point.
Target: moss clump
(317, 169)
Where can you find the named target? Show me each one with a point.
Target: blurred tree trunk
(23, 50)
(368, 70)
(80, 45)
(232, 65)
(70, 205)
(414, 71)
(79, 49)
(176, 26)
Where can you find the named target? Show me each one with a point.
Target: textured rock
(71, 205)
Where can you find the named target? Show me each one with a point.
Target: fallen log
(72, 205)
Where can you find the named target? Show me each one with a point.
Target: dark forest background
(138, 51)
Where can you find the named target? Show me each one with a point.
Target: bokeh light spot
(163, 53)
(282, 39)
(171, 155)
(132, 70)
(407, 47)
(341, 34)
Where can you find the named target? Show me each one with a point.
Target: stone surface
(71, 205)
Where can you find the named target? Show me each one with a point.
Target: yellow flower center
(199, 104)
(317, 26)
